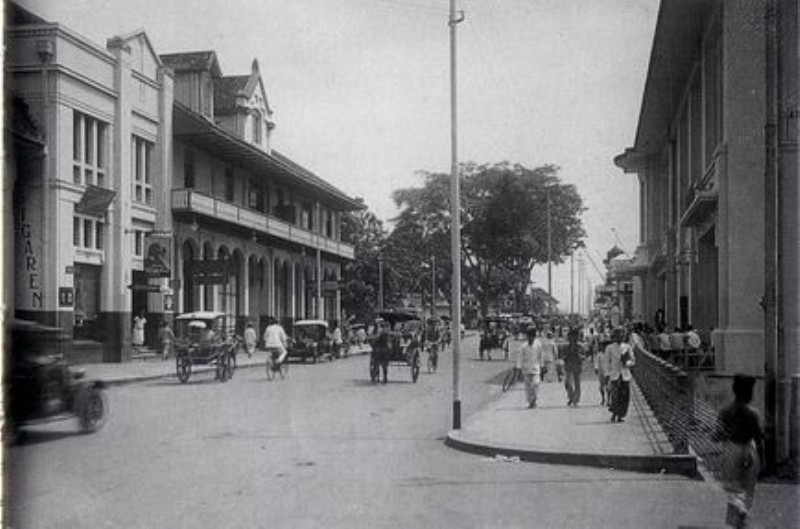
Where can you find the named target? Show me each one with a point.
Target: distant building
(716, 156)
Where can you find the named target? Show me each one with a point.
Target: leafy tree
(360, 290)
(504, 210)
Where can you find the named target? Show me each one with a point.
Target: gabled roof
(226, 89)
(193, 61)
(230, 87)
(138, 34)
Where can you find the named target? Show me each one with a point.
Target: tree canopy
(504, 211)
(360, 290)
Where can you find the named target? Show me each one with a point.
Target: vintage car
(41, 387)
(310, 341)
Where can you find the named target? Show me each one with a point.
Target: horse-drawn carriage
(200, 341)
(494, 335)
(398, 345)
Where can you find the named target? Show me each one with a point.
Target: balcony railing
(190, 201)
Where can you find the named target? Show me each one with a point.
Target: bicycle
(513, 376)
(433, 357)
(275, 368)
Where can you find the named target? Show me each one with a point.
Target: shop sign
(157, 254)
(66, 297)
(211, 271)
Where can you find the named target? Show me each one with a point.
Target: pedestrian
(549, 356)
(601, 369)
(620, 360)
(529, 363)
(573, 356)
(739, 428)
(250, 338)
(275, 340)
(139, 323)
(165, 338)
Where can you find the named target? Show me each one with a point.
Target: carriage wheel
(373, 370)
(183, 367)
(228, 366)
(415, 367)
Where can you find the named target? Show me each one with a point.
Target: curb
(121, 381)
(685, 465)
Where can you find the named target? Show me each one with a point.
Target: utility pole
(433, 285)
(549, 257)
(571, 281)
(455, 220)
(380, 284)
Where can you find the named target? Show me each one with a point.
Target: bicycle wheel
(270, 369)
(510, 379)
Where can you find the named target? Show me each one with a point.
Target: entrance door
(87, 302)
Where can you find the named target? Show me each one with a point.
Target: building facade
(142, 184)
(716, 157)
(272, 225)
(75, 203)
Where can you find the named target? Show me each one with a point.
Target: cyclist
(432, 340)
(275, 341)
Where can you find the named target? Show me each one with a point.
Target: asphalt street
(323, 448)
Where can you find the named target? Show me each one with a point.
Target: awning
(95, 201)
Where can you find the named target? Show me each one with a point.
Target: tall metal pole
(571, 281)
(549, 258)
(380, 284)
(433, 285)
(455, 220)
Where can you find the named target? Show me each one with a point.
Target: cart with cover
(398, 344)
(201, 340)
(310, 341)
(494, 335)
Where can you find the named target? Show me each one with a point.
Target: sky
(360, 89)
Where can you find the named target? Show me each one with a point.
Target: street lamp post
(455, 221)
(380, 284)
(549, 256)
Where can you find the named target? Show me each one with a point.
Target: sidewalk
(155, 368)
(556, 433)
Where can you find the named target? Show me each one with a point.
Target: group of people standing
(539, 357)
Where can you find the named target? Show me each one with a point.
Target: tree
(504, 210)
(360, 289)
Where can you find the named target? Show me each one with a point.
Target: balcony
(190, 201)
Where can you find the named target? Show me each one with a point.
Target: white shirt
(249, 335)
(529, 358)
(616, 368)
(274, 336)
(693, 339)
(549, 349)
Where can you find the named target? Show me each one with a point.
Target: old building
(716, 156)
(269, 227)
(103, 122)
(149, 185)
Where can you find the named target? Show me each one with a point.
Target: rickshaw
(199, 341)
(398, 345)
(309, 341)
(494, 335)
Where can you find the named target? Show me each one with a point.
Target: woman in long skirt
(620, 359)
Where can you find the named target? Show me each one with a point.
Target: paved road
(324, 448)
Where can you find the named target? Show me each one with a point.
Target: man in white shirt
(529, 362)
(275, 340)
